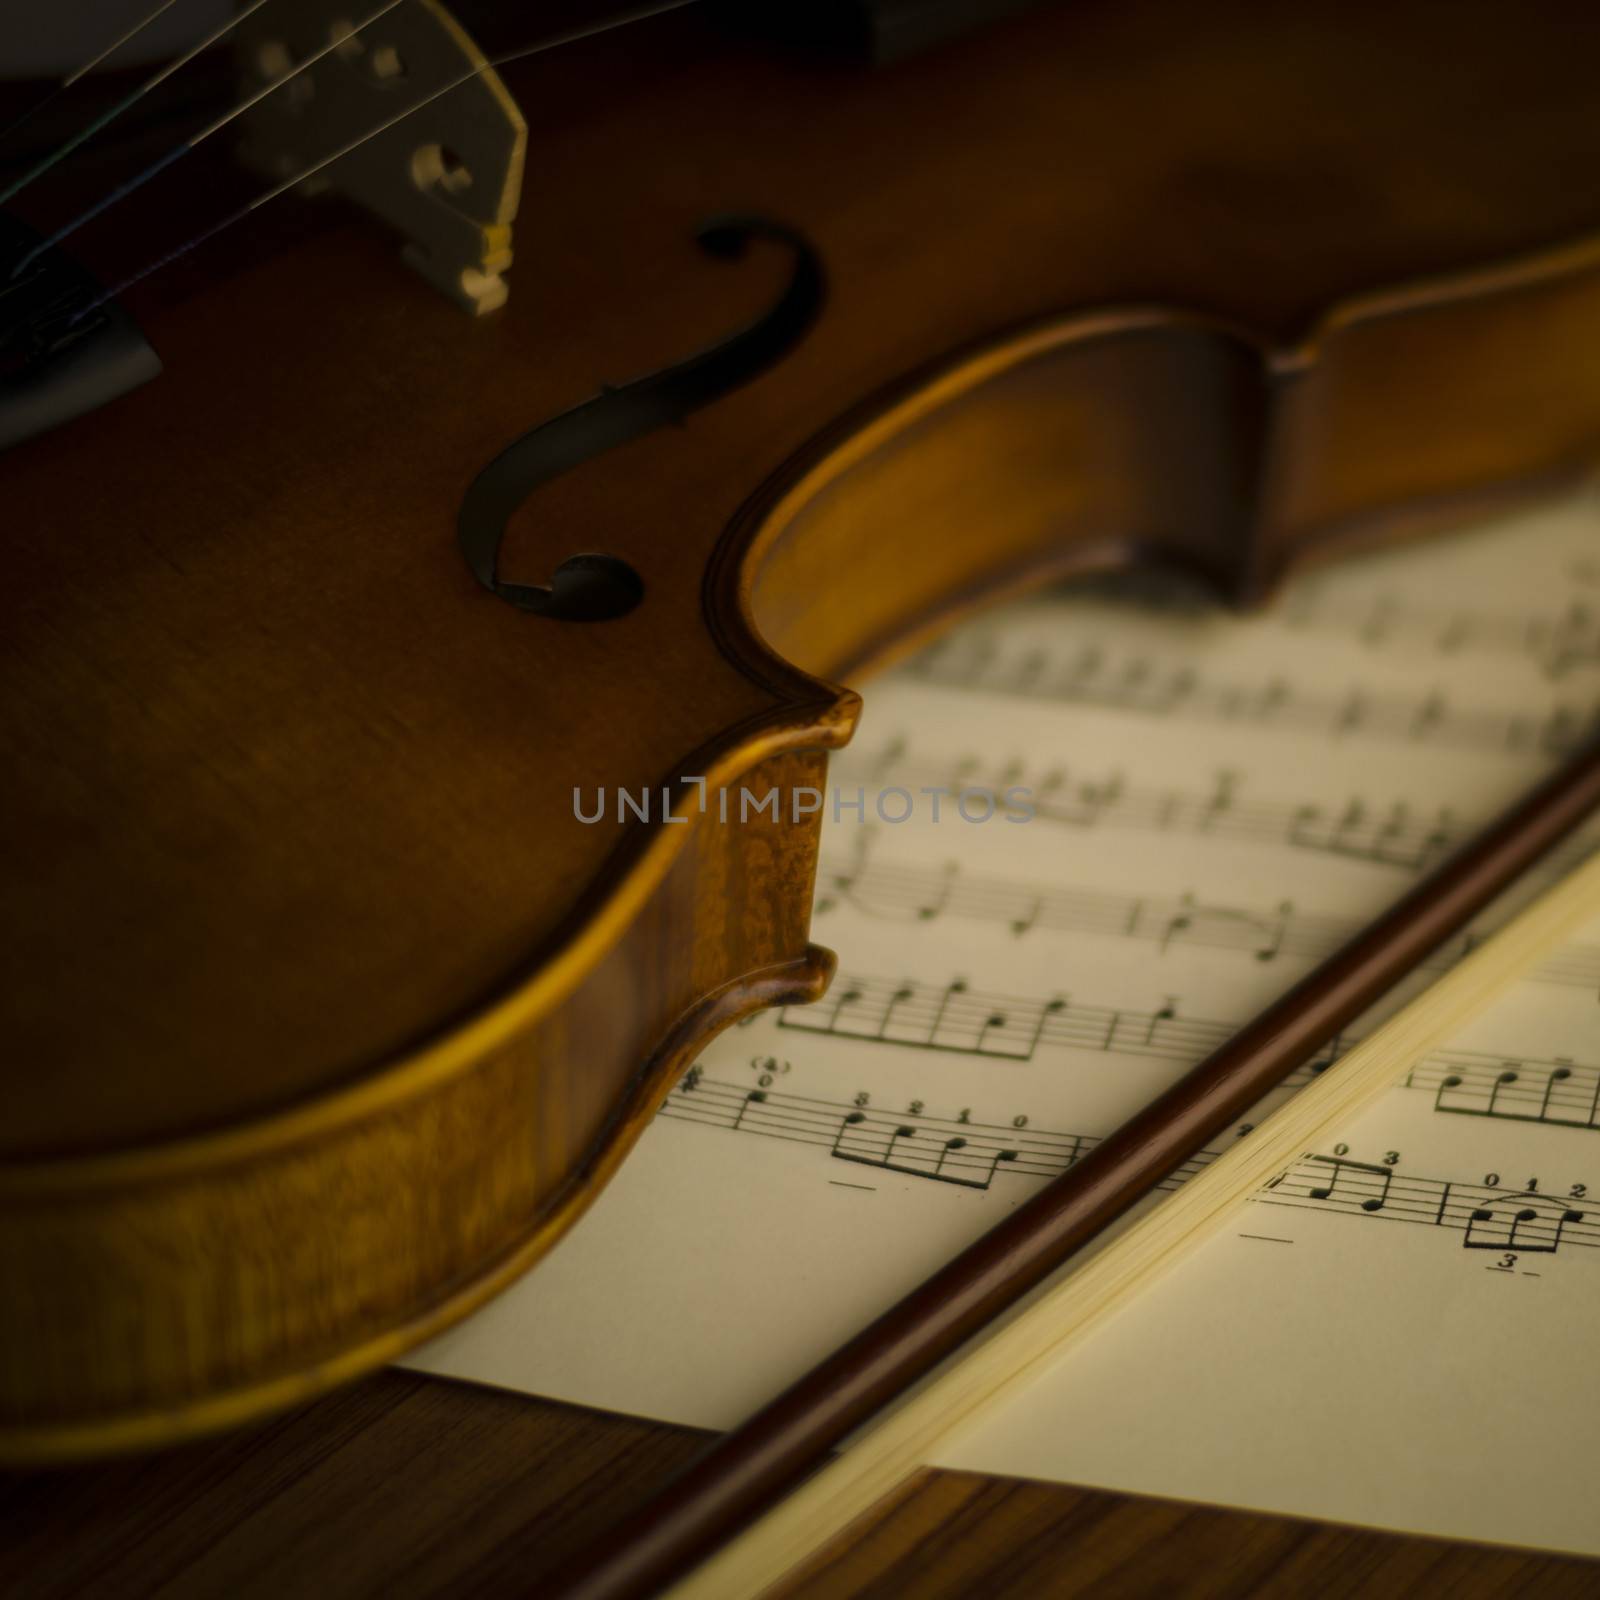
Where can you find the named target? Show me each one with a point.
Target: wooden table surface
(411, 1486)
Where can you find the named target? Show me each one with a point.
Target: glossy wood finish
(411, 1487)
(456, 1167)
(327, 1014)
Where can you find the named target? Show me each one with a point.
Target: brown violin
(415, 727)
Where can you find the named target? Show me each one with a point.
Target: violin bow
(745, 1472)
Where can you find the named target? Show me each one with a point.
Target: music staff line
(1390, 835)
(1519, 1220)
(956, 1019)
(1556, 641)
(1140, 685)
(921, 892)
(946, 1150)
(971, 1155)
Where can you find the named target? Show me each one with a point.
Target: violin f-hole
(585, 588)
(595, 587)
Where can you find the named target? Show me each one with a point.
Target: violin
(416, 727)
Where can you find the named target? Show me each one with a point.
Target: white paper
(1217, 803)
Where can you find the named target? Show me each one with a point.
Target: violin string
(83, 71)
(160, 76)
(555, 41)
(161, 163)
(111, 49)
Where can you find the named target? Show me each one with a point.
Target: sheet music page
(1129, 822)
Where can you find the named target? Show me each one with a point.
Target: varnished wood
(412, 1487)
(324, 1014)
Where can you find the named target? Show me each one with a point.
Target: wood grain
(417, 1489)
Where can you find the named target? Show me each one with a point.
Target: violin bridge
(448, 177)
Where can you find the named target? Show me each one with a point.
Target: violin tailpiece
(448, 178)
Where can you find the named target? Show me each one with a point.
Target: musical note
(1558, 1093)
(1556, 641)
(960, 1151)
(1033, 908)
(953, 993)
(897, 890)
(960, 1020)
(1167, 1013)
(910, 1149)
(837, 882)
(1047, 788)
(1502, 1080)
(756, 1097)
(1277, 933)
(935, 904)
(996, 1021)
(1262, 934)
(1002, 665)
(1050, 1009)
(1327, 1055)
(972, 1154)
(1562, 1075)
(1395, 835)
(942, 1161)
(1355, 1182)
(1527, 1223)
(1572, 641)
(1179, 923)
(1487, 1218)
(955, 1018)
(889, 758)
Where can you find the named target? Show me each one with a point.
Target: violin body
(326, 1010)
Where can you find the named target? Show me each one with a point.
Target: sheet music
(1151, 818)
